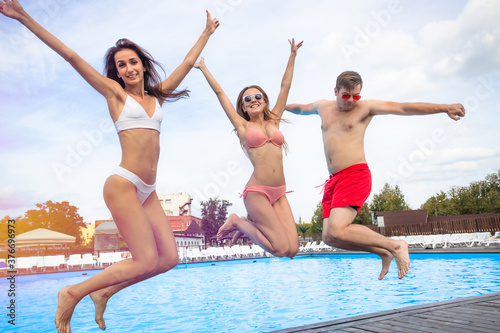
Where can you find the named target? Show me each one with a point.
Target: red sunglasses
(354, 97)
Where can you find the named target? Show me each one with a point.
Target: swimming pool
(257, 295)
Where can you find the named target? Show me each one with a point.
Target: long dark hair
(152, 78)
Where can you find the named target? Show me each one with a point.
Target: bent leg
(121, 198)
(338, 229)
(385, 255)
(167, 256)
(265, 229)
(285, 215)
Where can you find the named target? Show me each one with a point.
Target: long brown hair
(268, 115)
(152, 78)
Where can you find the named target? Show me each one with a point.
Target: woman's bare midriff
(141, 152)
(268, 166)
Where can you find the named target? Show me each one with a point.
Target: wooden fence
(475, 224)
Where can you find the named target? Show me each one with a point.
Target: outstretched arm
(173, 81)
(238, 122)
(286, 82)
(107, 87)
(304, 109)
(454, 111)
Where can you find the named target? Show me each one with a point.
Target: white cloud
(462, 166)
(469, 45)
(447, 156)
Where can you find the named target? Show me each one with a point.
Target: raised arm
(286, 82)
(107, 87)
(173, 81)
(238, 122)
(454, 111)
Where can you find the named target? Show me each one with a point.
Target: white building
(176, 204)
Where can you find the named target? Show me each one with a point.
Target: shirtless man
(343, 123)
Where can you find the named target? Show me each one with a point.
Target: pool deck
(468, 314)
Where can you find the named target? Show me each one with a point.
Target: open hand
(11, 8)
(200, 64)
(295, 47)
(212, 23)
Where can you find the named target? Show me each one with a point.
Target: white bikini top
(134, 116)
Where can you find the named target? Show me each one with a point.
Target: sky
(57, 140)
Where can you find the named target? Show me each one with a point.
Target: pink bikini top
(134, 116)
(255, 138)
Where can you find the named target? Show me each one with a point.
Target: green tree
(213, 215)
(303, 228)
(4, 227)
(55, 216)
(492, 195)
(364, 216)
(317, 222)
(389, 199)
(480, 197)
(439, 205)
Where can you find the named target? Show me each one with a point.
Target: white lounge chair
(182, 253)
(88, 260)
(440, 240)
(195, 254)
(231, 252)
(493, 240)
(246, 250)
(37, 262)
(480, 237)
(325, 247)
(216, 253)
(427, 241)
(118, 256)
(54, 262)
(415, 241)
(24, 263)
(105, 258)
(461, 240)
(74, 260)
(236, 250)
(260, 252)
(306, 247)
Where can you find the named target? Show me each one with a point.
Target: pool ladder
(183, 258)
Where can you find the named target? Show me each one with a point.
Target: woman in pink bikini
(134, 93)
(271, 224)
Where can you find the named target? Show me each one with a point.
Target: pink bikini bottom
(272, 193)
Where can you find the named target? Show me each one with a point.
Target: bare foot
(227, 227)
(100, 302)
(386, 262)
(65, 306)
(402, 257)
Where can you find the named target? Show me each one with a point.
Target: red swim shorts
(348, 187)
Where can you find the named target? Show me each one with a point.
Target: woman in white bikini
(134, 93)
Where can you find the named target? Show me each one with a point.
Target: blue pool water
(257, 295)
